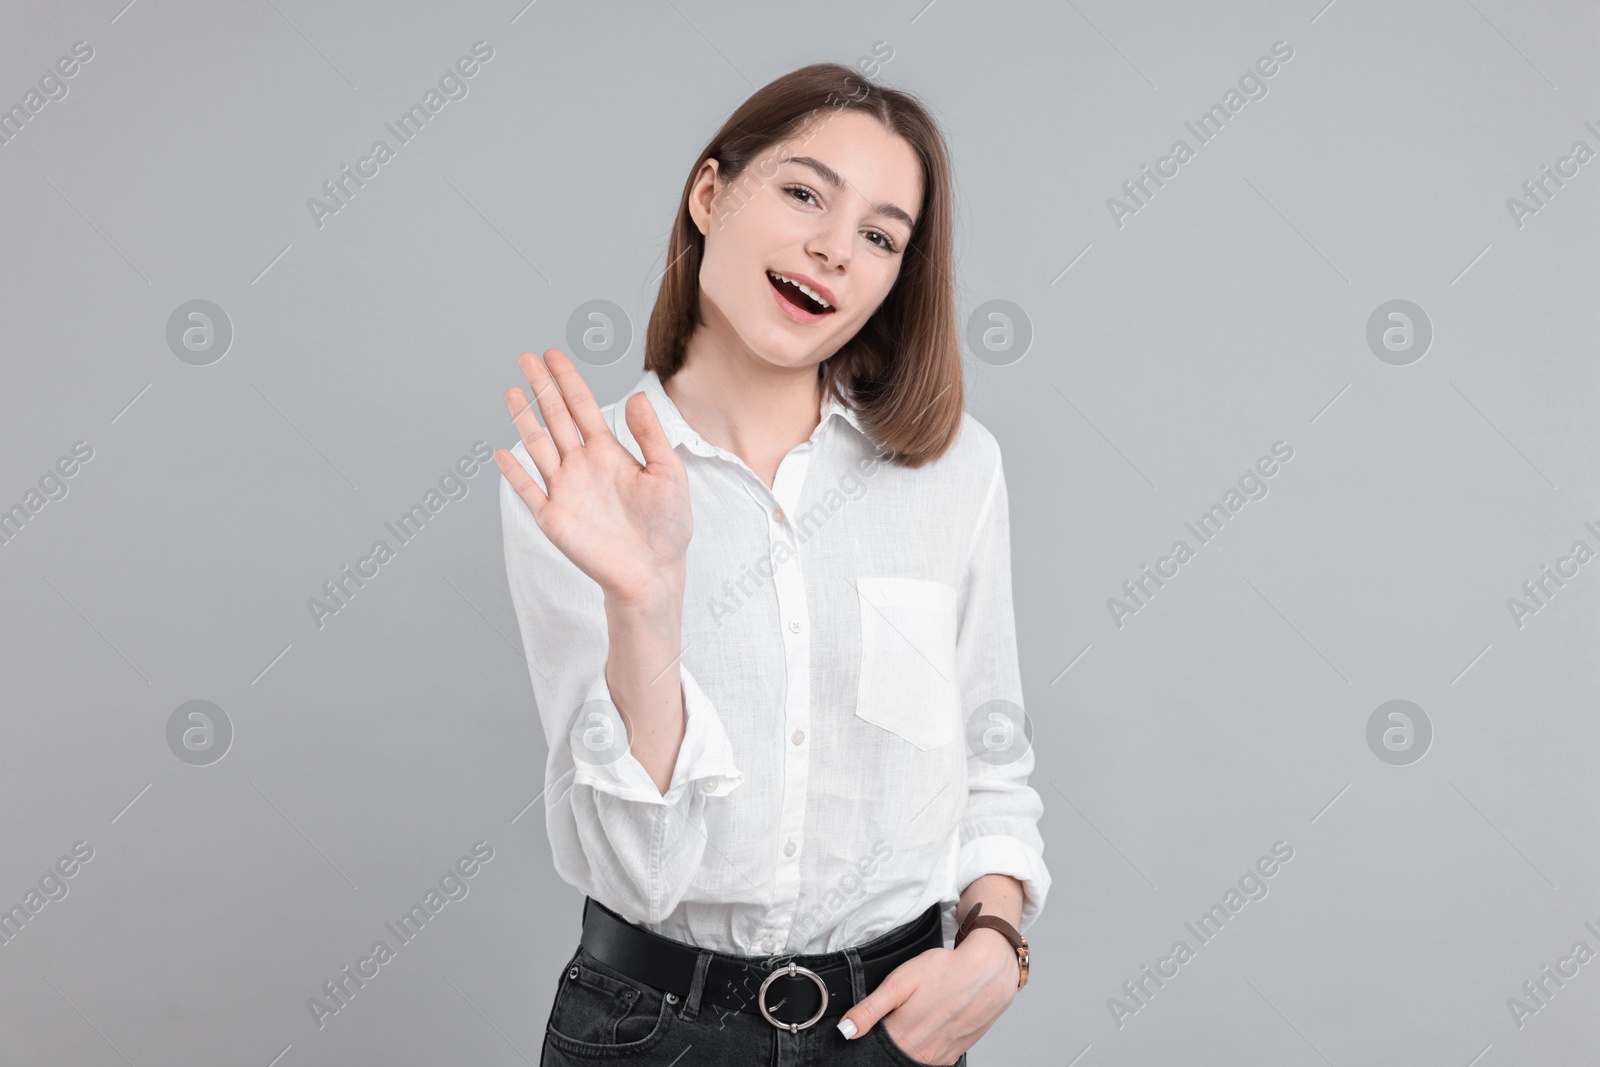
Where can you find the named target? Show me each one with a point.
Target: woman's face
(831, 207)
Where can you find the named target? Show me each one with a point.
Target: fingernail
(847, 1027)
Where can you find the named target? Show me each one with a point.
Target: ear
(702, 193)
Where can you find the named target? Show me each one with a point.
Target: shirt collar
(679, 432)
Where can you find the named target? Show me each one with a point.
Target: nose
(832, 246)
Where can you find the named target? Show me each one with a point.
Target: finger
(646, 427)
(580, 400)
(866, 1012)
(544, 454)
(521, 481)
(557, 420)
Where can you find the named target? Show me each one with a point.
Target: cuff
(1000, 854)
(705, 759)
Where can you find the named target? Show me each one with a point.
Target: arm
(999, 829)
(630, 836)
(988, 951)
(615, 832)
(595, 548)
(645, 639)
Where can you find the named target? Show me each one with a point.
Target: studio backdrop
(1283, 315)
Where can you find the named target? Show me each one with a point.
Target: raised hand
(624, 525)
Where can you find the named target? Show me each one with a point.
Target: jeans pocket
(901, 1056)
(601, 1012)
(908, 682)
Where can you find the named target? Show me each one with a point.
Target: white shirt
(844, 635)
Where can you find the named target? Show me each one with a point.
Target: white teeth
(806, 289)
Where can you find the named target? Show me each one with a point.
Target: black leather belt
(791, 991)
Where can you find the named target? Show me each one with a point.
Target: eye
(800, 191)
(792, 189)
(888, 242)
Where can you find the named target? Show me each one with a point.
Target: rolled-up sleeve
(613, 834)
(999, 831)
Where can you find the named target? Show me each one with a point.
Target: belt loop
(858, 976)
(691, 1003)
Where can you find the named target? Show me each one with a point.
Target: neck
(754, 410)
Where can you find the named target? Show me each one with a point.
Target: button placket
(793, 613)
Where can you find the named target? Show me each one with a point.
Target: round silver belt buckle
(791, 970)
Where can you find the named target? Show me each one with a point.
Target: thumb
(865, 1013)
(646, 427)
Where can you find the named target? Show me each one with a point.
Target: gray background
(1173, 751)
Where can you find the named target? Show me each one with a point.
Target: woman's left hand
(937, 1005)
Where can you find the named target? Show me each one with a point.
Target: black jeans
(600, 1015)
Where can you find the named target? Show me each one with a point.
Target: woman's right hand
(624, 525)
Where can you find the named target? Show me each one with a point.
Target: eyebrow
(832, 177)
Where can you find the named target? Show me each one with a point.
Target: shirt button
(767, 944)
(777, 515)
(788, 850)
(709, 785)
(798, 736)
(794, 624)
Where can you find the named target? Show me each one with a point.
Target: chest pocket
(908, 682)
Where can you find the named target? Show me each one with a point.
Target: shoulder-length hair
(901, 372)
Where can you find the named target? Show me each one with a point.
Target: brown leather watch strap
(973, 920)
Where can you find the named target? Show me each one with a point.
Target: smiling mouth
(793, 294)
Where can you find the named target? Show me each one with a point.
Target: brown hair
(901, 372)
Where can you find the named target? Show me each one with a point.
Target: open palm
(625, 525)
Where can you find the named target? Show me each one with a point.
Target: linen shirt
(854, 747)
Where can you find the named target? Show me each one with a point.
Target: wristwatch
(1011, 933)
